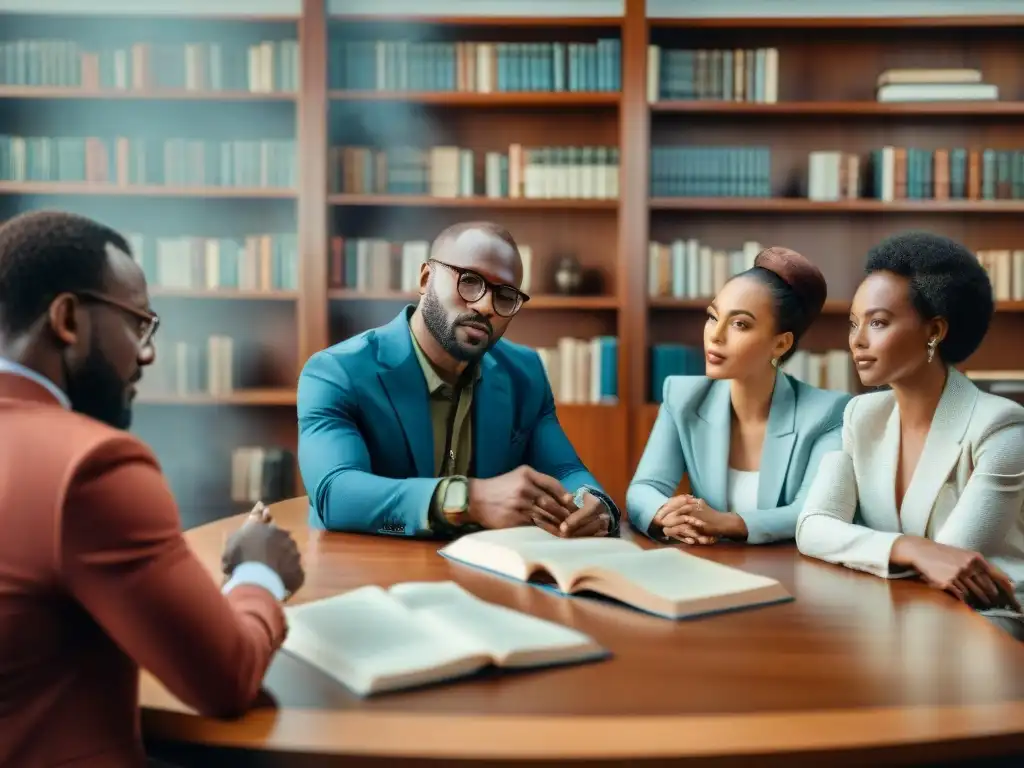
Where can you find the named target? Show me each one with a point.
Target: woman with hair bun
(748, 436)
(933, 467)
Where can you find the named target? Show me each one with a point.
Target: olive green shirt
(457, 461)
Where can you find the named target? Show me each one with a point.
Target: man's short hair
(46, 253)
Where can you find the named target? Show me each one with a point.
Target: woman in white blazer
(930, 479)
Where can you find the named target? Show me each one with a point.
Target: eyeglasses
(506, 299)
(147, 322)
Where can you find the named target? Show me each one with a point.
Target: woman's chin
(716, 371)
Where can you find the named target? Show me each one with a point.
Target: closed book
(665, 582)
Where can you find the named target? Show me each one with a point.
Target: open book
(665, 582)
(373, 640)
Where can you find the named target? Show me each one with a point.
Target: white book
(666, 581)
(373, 640)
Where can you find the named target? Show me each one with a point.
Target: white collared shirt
(255, 573)
(9, 366)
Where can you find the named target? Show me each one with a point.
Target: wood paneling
(600, 435)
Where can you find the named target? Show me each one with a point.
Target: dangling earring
(932, 344)
(775, 362)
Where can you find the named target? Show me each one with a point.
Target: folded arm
(658, 474)
(335, 462)
(549, 451)
(126, 562)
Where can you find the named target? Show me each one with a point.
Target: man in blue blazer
(434, 425)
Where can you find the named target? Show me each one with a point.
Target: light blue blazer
(691, 436)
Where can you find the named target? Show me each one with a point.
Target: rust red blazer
(96, 580)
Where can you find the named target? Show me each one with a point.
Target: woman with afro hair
(932, 466)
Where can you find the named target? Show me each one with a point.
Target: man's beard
(436, 320)
(96, 390)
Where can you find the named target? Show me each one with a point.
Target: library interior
(281, 169)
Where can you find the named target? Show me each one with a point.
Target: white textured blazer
(967, 489)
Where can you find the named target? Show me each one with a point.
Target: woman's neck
(752, 398)
(918, 395)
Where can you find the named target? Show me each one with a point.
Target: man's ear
(63, 316)
(424, 277)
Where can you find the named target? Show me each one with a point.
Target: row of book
(264, 67)
(262, 262)
(475, 67)
(678, 171)
(896, 173)
(923, 84)
(553, 173)
(579, 371)
(690, 269)
(143, 161)
(183, 368)
(379, 265)
(902, 173)
(713, 75)
(583, 370)
(831, 370)
(262, 473)
(948, 174)
(1005, 269)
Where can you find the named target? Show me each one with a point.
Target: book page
(672, 582)
(511, 638)
(514, 551)
(370, 642)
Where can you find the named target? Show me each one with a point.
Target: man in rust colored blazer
(95, 577)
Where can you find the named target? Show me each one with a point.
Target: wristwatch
(455, 505)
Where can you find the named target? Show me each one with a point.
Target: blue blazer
(366, 450)
(691, 435)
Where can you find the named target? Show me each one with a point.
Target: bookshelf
(179, 129)
(559, 90)
(821, 97)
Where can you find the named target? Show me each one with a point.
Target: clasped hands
(965, 574)
(525, 496)
(690, 520)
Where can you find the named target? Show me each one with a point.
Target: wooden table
(857, 669)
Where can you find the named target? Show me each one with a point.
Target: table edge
(352, 733)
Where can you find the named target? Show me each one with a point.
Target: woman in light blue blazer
(748, 436)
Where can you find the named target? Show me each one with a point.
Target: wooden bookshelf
(803, 205)
(475, 201)
(835, 109)
(558, 101)
(177, 211)
(849, 109)
(832, 306)
(218, 294)
(142, 190)
(282, 396)
(131, 94)
(536, 302)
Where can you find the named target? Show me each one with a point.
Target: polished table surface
(855, 667)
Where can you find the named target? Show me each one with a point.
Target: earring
(932, 344)
(775, 362)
